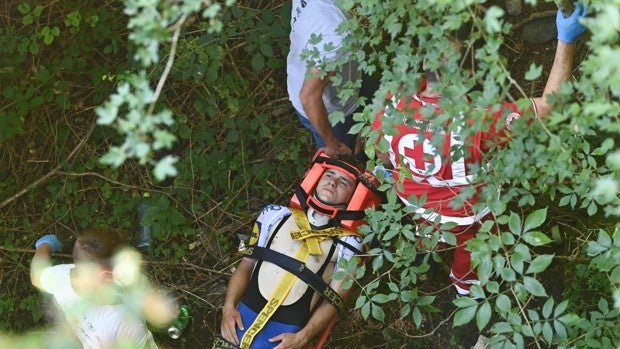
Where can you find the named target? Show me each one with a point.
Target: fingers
(340, 149)
(278, 338)
(239, 322)
(229, 326)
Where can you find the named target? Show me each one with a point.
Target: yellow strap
(275, 301)
(254, 236)
(313, 238)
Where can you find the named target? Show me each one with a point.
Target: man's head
(339, 189)
(335, 188)
(97, 245)
(431, 70)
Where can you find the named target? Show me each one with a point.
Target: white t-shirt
(96, 326)
(319, 17)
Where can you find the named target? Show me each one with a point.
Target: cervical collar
(316, 219)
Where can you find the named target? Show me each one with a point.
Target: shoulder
(271, 215)
(318, 17)
(271, 212)
(56, 276)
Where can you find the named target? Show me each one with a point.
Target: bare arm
(41, 260)
(311, 96)
(239, 281)
(560, 72)
(384, 157)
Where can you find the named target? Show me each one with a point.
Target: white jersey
(96, 326)
(281, 241)
(318, 17)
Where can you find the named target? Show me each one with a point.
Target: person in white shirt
(85, 291)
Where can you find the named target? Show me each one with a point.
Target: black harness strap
(298, 269)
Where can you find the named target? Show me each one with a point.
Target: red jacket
(434, 172)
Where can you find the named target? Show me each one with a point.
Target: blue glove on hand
(569, 28)
(49, 239)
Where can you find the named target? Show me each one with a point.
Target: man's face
(335, 187)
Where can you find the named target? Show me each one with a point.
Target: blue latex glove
(49, 239)
(569, 28)
(380, 168)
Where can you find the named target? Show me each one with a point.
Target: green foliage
(567, 160)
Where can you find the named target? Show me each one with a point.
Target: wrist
(228, 307)
(44, 246)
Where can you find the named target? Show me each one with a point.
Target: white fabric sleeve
(345, 252)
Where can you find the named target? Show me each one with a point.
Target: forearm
(324, 314)
(561, 71)
(311, 96)
(385, 158)
(317, 114)
(41, 260)
(238, 283)
(321, 317)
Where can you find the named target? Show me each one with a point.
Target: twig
(51, 173)
(164, 75)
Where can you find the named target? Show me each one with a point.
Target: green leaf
(258, 62)
(493, 19)
(534, 72)
(382, 298)
(534, 287)
(508, 274)
(365, 310)
(502, 303)
(604, 239)
(535, 219)
(547, 332)
(48, 39)
(539, 264)
(517, 262)
(266, 50)
(114, 157)
(502, 327)
(464, 302)
(548, 308)
(508, 239)
(378, 313)
(360, 301)
(416, 315)
(33, 48)
(536, 238)
(483, 315)
(464, 316)
(560, 309)
(560, 329)
(23, 8)
(514, 224)
(569, 319)
(165, 168)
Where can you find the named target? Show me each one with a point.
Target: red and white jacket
(436, 173)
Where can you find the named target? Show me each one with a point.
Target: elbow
(35, 279)
(305, 97)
